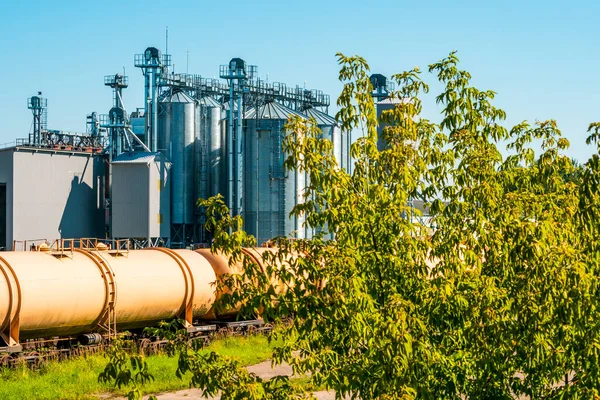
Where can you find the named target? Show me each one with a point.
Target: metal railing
(114, 246)
(8, 144)
(62, 140)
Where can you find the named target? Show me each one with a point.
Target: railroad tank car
(47, 293)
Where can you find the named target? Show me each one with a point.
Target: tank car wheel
(225, 331)
(34, 359)
(79, 351)
(156, 347)
(5, 360)
(143, 346)
(267, 328)
(13, 359)
(64, 354)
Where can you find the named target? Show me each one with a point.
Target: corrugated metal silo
(345, 153)
(216, 151)
(270, 191)
(331, 131)
(177, 136)
(207, 120)
(209, 110)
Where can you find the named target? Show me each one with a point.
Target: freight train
(88, 293)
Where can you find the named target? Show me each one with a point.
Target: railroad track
(37, 352)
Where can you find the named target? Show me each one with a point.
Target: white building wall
(53, 195)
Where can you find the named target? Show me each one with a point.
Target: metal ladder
(108, 320)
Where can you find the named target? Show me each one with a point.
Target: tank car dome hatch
(378, 81)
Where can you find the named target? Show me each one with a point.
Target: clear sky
(542, 57)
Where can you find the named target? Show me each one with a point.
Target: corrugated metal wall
(2, 216)
(140, 197)
(6, 177)
(56, 195)
(130, 201)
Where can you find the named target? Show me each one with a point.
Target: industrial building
(50, 194)
(139, 175)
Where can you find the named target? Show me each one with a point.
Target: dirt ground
(263, 370)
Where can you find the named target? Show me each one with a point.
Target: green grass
(77, 378)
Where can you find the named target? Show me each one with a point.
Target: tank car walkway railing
(65, 247)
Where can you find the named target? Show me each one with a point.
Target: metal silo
(178, 133)
(331, 131)
(207, 117)
(270, 191)
(216, 151)
(345, 153)
(209, 114)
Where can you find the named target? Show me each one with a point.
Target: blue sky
(542, 57)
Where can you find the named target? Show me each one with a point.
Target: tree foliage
(126, 369)
(494, 296)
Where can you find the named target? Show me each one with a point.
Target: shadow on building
(83, 215)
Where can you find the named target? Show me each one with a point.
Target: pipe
(239, 160)
(148, 109)
(215, 150)
(230, 152)
(154, 110)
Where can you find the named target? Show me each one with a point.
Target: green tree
(499, 301)
(125, 368)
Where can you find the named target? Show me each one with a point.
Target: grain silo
(178, 130)
(331, 131)
(208, 150)
(270, 191)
